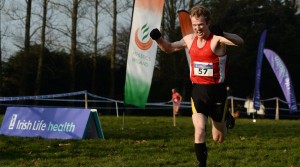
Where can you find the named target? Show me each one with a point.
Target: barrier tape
(41, 96)
(103, 99)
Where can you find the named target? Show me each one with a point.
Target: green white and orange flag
(147, 15)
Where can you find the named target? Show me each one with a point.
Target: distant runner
(176, 99)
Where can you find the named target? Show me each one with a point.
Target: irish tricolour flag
(147, 15)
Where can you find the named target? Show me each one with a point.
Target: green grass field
(154, 142)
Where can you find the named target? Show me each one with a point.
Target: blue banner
(283, 78)
(52, 123)
(256, 94)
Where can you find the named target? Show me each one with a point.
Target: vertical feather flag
(142, 50)
(186, 28)
(256, 94)
(283, 78)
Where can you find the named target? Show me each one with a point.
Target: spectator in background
(249, 106)
(251, 110)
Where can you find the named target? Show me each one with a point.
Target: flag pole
(174, 116)
(277, 109)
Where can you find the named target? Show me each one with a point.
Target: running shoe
(230, 122)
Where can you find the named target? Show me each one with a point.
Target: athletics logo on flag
(145, 37)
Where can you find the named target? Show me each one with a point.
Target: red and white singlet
(206, 67)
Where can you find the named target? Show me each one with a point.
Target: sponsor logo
(12, 121)
(40, 125)
(281, 66)
(146, 42)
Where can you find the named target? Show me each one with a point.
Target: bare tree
(92, 38)
(29, 24)
(42, 49)
(26, 50)
(70, 9)
(1, 79)
(73, 43)
(95, 52)
(117, 9)
(113, 49)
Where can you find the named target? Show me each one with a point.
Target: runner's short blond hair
(198, 11)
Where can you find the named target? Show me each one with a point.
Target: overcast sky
(12, 31)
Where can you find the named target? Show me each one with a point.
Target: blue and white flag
(283, 78)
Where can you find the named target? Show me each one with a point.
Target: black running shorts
(209, 100)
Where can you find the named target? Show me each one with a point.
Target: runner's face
(200, 26)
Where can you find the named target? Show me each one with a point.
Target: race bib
(203, 69)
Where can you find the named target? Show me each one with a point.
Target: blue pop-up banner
(52, 123)
(283, 78)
